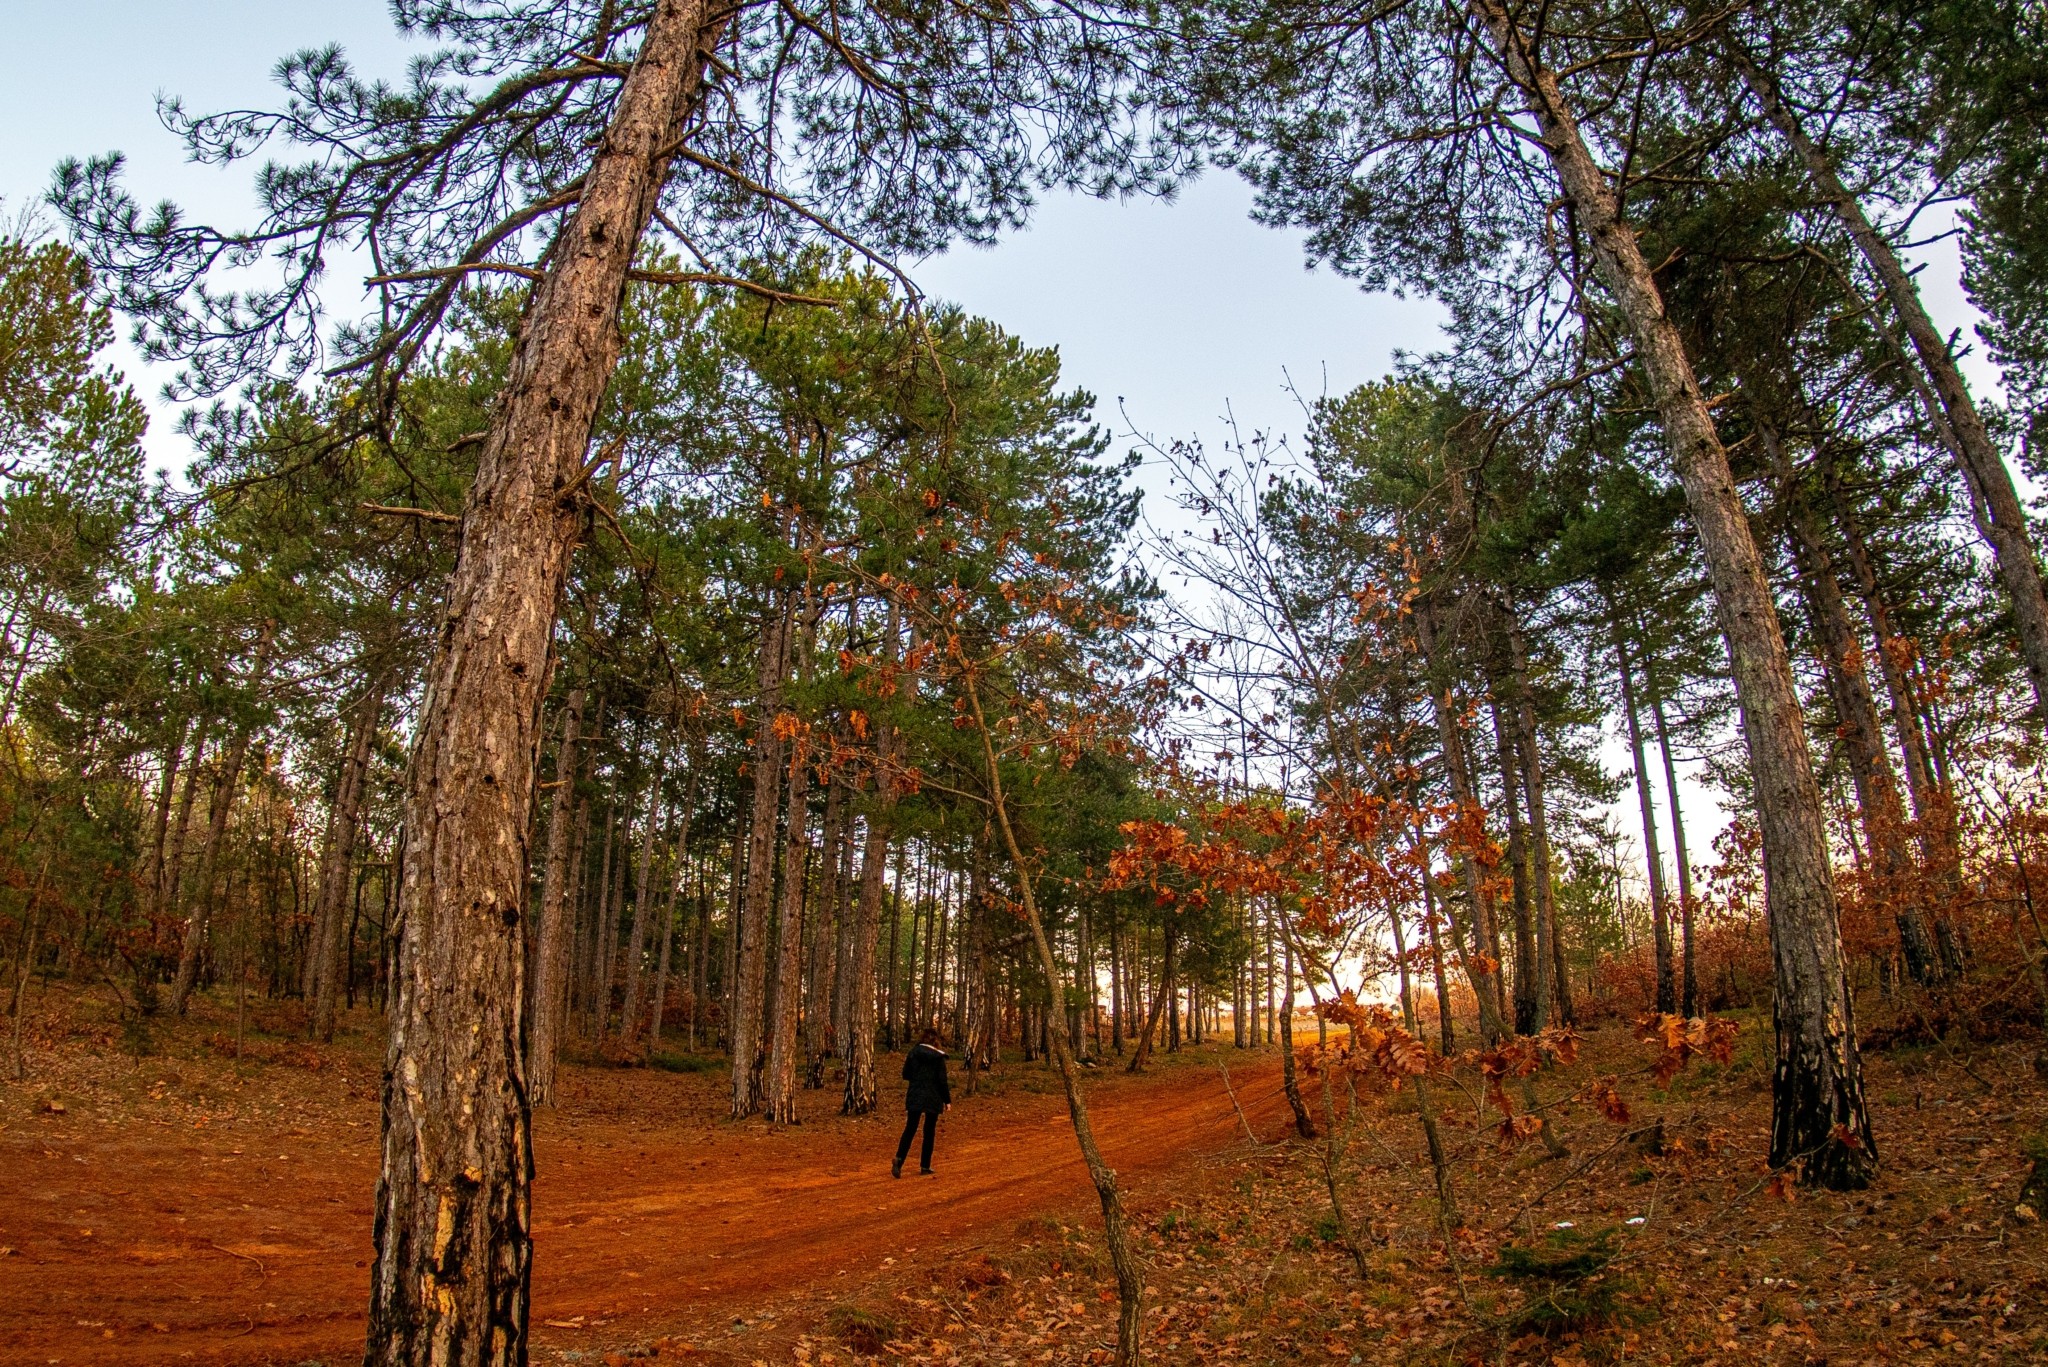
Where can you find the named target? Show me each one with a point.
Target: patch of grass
(686, 1063)
(1564, 1276)
(863, 1331)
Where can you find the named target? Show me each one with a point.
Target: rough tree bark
(1819, 1117)
(551, 952)
(453, 1257)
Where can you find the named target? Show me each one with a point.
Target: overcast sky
(1171, 314)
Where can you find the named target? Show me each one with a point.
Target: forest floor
(175, 1204)
(187, 1207)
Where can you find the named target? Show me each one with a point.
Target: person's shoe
(926, 1172)
(896, 1168)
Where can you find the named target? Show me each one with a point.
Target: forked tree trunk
(453, 1257)
(1660, 908)
(337, 859)
(551, 950)
(1819, 1118)
(1982, 468)
(171, 876)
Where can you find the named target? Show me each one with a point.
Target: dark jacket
(925, 1070)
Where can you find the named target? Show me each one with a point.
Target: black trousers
(931, 1129)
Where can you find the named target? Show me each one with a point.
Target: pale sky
(1183, 311)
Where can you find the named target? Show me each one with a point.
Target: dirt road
(149, 1241)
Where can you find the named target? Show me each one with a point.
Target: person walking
(929, 1094)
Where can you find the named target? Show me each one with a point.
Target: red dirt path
(124, 1240)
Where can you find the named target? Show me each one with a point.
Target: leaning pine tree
(541, 143)
(1436, 146)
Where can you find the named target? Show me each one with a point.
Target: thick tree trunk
(1982, 468)
(551, 952)
(337, 858)
(453, 1258)
(749, 1049)
(1660, 911)
(1820, 1119)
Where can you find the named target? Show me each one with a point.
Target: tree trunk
(1289, 1082)
(785, 1044)
(1552, 983)
(338, 855)
(749, 1052)
(1446, 1028)
(149, 879)
(858, 1096)
(1481, 968)
(219, 805)
(551, 955)
(1857, 725)
(644, 901)
(825, 921)
(1819, 1116)
(1660, 912)
(1688, 976)
(453, 1259)
(1528, 966)
(1130, 1277)
(172, 875)
(676, 894)
(1982, 468)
